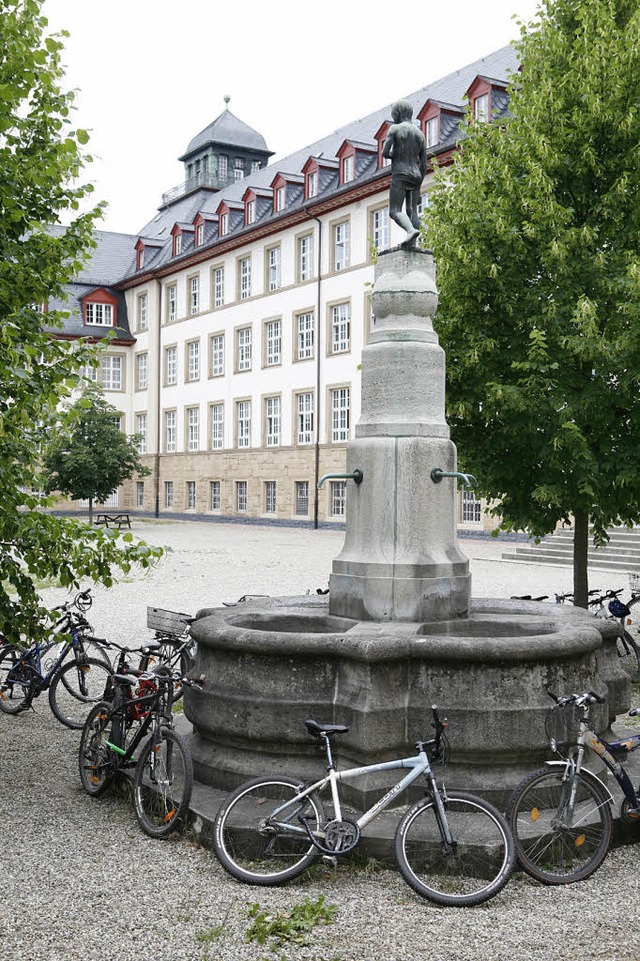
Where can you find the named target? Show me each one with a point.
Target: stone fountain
(399, 630)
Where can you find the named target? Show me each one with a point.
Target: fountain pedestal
(399, 631)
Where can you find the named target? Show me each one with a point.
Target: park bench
(117, 520)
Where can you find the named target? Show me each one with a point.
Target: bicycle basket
(167, 622)
(562, 724)
(634, 582)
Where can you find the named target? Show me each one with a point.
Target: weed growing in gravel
(212, 934)
(291, 926)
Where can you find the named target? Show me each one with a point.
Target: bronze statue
(406, 146)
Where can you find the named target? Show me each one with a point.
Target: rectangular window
(193, 428)
(425, 203)
(223, 169)
(380, 228)
(251, 211)
(141, 430)
(243, 349)
(170, 431)
(243, 411)
(217, 355)
(142, 371)
(241, 497)
(304, 335)
(139, 493)
(193, 360)
(272, 421)
(305, 418)
(214, 495)
(224, 224)
(171, 365)
(431, 131)
(199, 235)
(471, 508)
(302, 498)
(245, 278)
(143, 312)
(112, 372)
(177, 245)
(338, 498)
(341, 246)
(274, 268)
(217, 426)
(281, 198)
(348, 169)
(312, 184)
(238, 169)
(168, 493)
(172, 303)
(218, 287)
(100, 315)
(273, 343)
(340, 328)
(305, 258)
(270, 497)
(340, 414)
(191, 495)
(481, 108)
(194, 294)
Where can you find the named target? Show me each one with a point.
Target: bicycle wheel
(256, 847)
(548, 848)
(17, 680)
(480, 863)
(95, 759)
(629, 655)
(162, 783)
(168, 655)
(75, 688)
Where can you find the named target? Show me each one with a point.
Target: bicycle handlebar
(587, 697)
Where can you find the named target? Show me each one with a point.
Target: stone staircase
(622, 553)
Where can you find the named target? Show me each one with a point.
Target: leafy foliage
(40, 159)
(536, 230)
(291, 926)
(96, 457)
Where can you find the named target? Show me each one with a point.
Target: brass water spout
(355, 476)
(468, 480)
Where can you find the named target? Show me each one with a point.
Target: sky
(151, 74)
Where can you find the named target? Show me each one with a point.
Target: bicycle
(163, 770)
(74, 685)
(451, 847)
(173, 645)
(560, 815)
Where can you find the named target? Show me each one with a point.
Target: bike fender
(588, 775)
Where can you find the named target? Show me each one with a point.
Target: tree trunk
(580, 556)
(91, 510)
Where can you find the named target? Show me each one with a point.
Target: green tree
(40, 160)
(536, 232)
(96, 457)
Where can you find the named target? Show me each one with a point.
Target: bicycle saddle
(317, 730)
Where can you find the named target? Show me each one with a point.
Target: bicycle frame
(119, 712)
(419, 764)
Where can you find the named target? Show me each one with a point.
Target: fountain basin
(275, 662)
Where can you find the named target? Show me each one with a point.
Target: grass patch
(292, 926)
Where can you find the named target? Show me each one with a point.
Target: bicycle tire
(475, 871)
(162, 783)
(629, 655)
(547, 851)
(95, 760)
(68, 703)
(17, 681)
(255, 852)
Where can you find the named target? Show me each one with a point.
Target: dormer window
(250, 215)
(101, 315)
(177, 244)
(348, 169)
(312, 184)
(281, 198)
(140, 258)
(481, 108)
(431, 132)
(199, 239)
(224, 224)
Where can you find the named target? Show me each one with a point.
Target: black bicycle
(140, 707)
(76, 677)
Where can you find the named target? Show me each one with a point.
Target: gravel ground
(80, 881)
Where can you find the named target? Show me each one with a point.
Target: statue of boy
(406, 146)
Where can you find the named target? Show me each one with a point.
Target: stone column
(400, 560)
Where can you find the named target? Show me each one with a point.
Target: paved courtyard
(80, 881)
